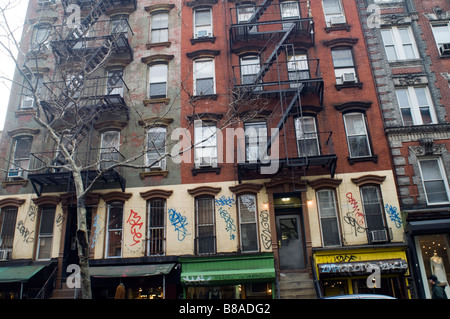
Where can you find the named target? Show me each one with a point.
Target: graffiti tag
(135, 221)
(179, 223)
(394, 215)
(230, 226)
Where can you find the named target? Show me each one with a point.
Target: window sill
(155, 172)
(204, 97)
(353, 160)
(164, 100)
(30, 111)
(204, 39)
(22, 182)
(447, 56)
(209, 169)
(358, 85)
(158, 44)
(344, 27)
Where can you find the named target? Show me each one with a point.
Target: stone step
(64, 293)
(296, 286)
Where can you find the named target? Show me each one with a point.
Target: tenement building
(221, 149)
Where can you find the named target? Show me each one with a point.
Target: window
(8, 216)
(33, 84)
(298, 68)
(244, 13)
(160, 27)
(344, 66)
(415, 105)
(156, 227)
(307, 137)
(206, 238)
(289, 10)
(158, 81)
(109, 149)
(205, 144)
(434, 181)
(334, 13)
(156, 147)
(248, 223)
(21, 157)
(441, 34)
(203, 23)
(114, 84)
(250, 67)
(41, 35)
(119, 25)
(374, 213)
(399, 43)
(204, 83)
(255, 141)
(326, 200)
(114, 229)
(357, 139)
(45, 238)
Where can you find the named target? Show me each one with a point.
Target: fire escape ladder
(259, 11)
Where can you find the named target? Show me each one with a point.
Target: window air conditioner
(378, 236)
(15, 173)
(337, 20)
(27, 103)
(348, 78)
(445, 49)
(203, 34)
(205, 161)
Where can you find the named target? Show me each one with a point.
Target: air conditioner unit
(203, 34)
(337, 20)
(445, 49)
(5, 254)
(205, 161)
(27, 103)
(378, 236)
(348, 78)
(15, 173)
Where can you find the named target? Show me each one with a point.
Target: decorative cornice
(212, 117)
(324, 182)
(157, 58)
(204, 190)
(159, 7)
(116, 196)
(47, 200)
(156, 193)
(353, 106)
(23, 131)
(368, 179)
(246, 188)
(341, 42)
(107, 125)
(202, 54)
(16, 202)
(155, 121)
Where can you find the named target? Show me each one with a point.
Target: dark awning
(18, 274)
(130, 270)
(434, 226)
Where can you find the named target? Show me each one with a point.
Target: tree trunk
(82, 236)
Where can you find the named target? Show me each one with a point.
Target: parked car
(360, 296)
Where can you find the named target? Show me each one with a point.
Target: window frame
(161, 228)
(328, 16)
(212, 224)
(341, 69)
(109, 229)
(17, 162)
(414, 106)
(298, 123)
(440, 25)
(161, 31)
(336, 216)
(380, 214)
(208, 27)
(161, 164)
(151, 80)
(201, 139)
(366, 134)
(7, 229)
(45, 236)
(118, 87)
(398, 45)
(261, 136)
(113, 151)
(443, 174)
(211, 76)
(242, 222)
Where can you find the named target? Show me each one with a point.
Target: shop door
(290, 242)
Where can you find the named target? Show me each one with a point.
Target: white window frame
(205, 138)
(21, 164)
(207, 28)
(250, 66)
(330, 15)
(339, 70)
(199, 76)
(396, 42)
(298, 68)
(107, 148)
(336, 215)
(301, 134)
(248, 222)
(255, 141)
(153, 154)
(414, 106)
(349, 135)
(114, 88)
(108, 230)
(289, 10)
(439, 42)
(160, 33)
(443, 178)
(45, 236)
(157, 79)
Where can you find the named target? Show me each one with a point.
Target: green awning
(227, 269)
(130, 270)
(18, 274)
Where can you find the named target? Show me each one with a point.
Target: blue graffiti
(179, 222)
(394, 215)
(225, 201)
(230, 226)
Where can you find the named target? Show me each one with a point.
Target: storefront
(363, 271)
(430, 243)
(243, 276)
(144, 281)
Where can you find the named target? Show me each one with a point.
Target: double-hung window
(248, 223)
(372, 203)
(289, 10)
(334, 12)
(357, 136)
(326, 200)
(250, 67)
(255, 141)
(298, 69)
(156, 147)
(441, 34)
(203, 23)
(20, 158)
(206, 229)
(434, 181)
(344, 66)
(307, 136)
(109, 149)
(205, 144)
(32, 84)
(41, 37)
(399, 43)
(204, 83)
(45, 238)
(156, 227)
(114, 84)
(158, 81)
(244, 14)
(8, 216)
(416, 106)
(160, 27)
(114, 229)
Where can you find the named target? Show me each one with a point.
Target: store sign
(362, 267)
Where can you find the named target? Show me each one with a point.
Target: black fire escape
(282, 72)
(81, 50)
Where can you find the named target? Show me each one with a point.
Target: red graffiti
(135, 221)
(358, 215)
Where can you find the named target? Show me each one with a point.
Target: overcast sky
(15, 16)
